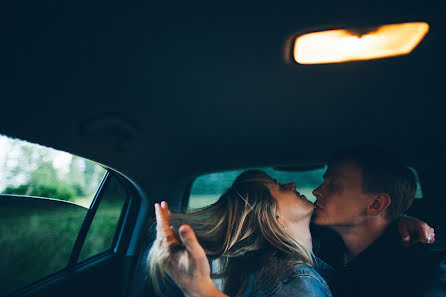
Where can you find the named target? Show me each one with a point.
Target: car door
(55, 241)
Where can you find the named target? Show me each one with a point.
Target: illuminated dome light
(335, 46)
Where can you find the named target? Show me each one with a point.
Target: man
(363, 194)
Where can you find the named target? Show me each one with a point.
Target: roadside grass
(37, 238)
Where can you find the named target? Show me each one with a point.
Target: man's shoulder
(396, 270)
(419, 271)
(419, 254)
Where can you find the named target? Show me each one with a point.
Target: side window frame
(119, 243)
(82, 235)
(123, 221)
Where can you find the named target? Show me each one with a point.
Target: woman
(257, 233)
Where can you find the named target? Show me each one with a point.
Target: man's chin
(319, 220)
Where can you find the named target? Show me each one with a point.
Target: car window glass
(104, 225)
(44, 197)
(206, 189)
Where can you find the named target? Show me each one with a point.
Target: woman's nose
(290, 186)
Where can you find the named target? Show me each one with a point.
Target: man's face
(340, 199)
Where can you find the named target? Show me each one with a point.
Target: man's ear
(379, 204)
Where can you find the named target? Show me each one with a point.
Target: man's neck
(358, 238)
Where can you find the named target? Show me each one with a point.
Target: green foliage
(33, 174)
(20, 190)
(57, 191)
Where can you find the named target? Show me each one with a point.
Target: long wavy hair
(241, 231)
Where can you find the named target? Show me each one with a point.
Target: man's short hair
(382, 173)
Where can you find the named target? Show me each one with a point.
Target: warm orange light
(336, 46)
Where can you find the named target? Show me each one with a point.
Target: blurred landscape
(33, 170)
(208, 188)
(37, 235)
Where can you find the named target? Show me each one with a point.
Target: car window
(45, 196)
(206, 189)
(101, 234)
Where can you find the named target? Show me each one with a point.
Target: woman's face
(291, 206)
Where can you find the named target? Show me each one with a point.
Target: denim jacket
(304, 280)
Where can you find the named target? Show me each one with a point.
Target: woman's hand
(188, 265)
(413, 230)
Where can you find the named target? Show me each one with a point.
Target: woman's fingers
(188, 238)
(160, 220)
(195, 250)
(162, 224)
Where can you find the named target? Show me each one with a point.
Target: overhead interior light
(334, 46)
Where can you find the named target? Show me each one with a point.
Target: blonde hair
(240, 229)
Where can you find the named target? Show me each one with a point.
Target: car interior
(162, 93)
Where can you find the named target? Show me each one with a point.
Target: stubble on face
(340, 199)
